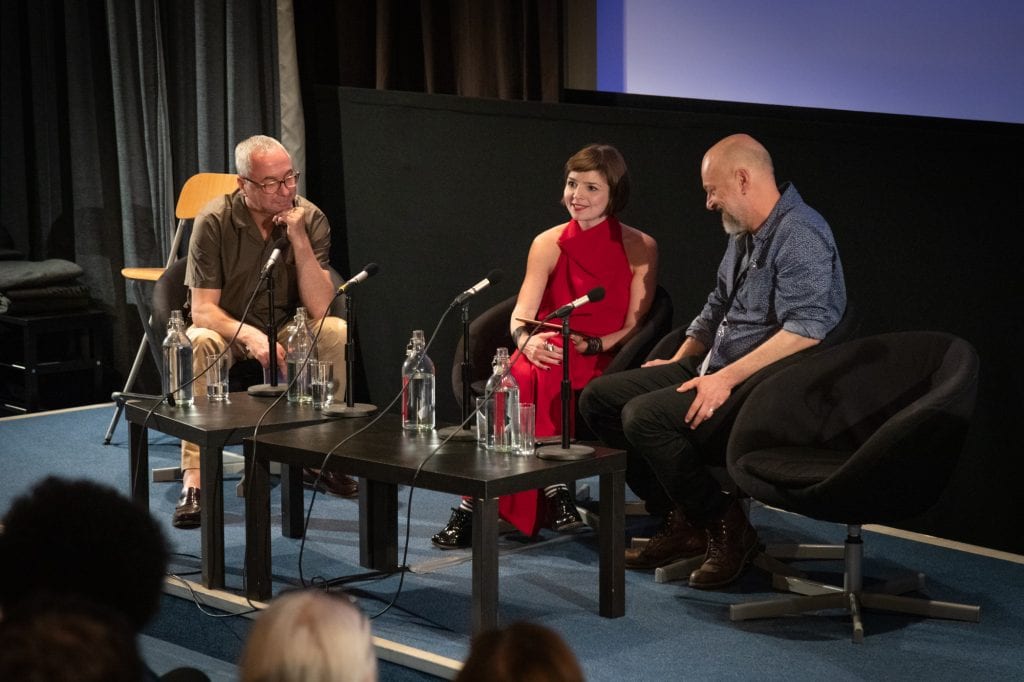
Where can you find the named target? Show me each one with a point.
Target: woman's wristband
(594, 345)
(518, 332)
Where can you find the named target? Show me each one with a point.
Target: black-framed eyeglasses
(270, 186)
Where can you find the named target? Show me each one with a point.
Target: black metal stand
(463, 431)
(350, 408)
(271, 390)
(565, 451)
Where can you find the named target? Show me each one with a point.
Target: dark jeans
(640, 411)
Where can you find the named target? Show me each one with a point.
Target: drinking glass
(483, 418)
(217, 377)
(527, 426)
(321, 383)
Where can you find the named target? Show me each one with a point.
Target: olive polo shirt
(227, 252)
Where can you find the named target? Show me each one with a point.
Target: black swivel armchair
(490, 330)
(866, 432)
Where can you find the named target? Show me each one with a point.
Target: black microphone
(594, 295)
(493, 277)
(280, 248)
(369, 271)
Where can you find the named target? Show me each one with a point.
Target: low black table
(385, 456)
(211, 426)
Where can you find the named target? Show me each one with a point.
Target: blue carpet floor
(669, 631)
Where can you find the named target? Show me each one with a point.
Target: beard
(731, 224)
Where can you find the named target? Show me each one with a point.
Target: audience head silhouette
(521, 652)
(309, 636)
(63, 639)
(82, 540)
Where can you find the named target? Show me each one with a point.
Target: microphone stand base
(266, 390)
(557, 452)
(456, 433)
(355, 410)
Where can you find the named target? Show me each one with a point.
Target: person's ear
(743, 179)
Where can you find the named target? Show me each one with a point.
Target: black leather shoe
(562, 512)
(458, 533)
(186, 514)
(331, 482)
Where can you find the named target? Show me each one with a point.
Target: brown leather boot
(677, 539)
(732, 542)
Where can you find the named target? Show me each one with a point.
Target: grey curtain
(107, 108)
(506, 49)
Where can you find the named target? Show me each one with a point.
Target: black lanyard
(746, 245)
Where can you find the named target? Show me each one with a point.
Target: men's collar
(788, 198)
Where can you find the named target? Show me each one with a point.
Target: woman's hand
(540, 351)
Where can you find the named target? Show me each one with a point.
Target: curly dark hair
(82, 539)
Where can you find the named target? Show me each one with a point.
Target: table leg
(612, 533)
(485, 564)
(378, 525)
(292, 517)
(211, 516)
(138, 463)
(257, 527)
(30, 346)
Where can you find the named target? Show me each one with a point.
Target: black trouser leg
(601, 406)
(654, 424)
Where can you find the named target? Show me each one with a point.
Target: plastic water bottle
(418, 411)
(503, 434)
(299, 352)
(177, 378)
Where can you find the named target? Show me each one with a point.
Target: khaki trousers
(330, 346)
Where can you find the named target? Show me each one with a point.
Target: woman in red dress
(565, 262)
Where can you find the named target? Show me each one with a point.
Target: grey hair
(245, 149)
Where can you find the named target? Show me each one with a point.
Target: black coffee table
(211, 426)
(385, 457)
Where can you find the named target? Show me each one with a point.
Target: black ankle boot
(562, 512)
(458, 533)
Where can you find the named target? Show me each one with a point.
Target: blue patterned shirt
(794, 282)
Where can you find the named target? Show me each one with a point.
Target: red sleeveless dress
(588, 259)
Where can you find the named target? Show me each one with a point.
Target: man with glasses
(232, 241)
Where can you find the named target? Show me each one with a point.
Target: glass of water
(527, 429)
(484, 406)
(217, 377)
(321, 383)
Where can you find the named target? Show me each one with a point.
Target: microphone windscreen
(371, 269)
(281, 244)
(596, 294)
(494, 276)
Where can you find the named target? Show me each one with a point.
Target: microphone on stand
(350, 408)
(592, 296)
(121, 396)
(370, 270)
(567, 451)
(280, 248)
(273, 388)
(461, 431)
(493, 277)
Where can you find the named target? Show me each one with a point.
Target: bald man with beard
(779, 291)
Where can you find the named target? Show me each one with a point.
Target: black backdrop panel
(439, 190)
